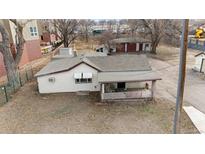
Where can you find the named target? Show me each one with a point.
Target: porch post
(153, 89)
(102, 91)
(125, 47)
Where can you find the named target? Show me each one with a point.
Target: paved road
(167, 87)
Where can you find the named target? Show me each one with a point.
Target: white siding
(198, 61)
(137, 46)
(203, 66)
(65, 82)
(146, 48)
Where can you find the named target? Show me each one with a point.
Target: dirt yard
(30, 112)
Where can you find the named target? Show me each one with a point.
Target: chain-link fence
(6, 90)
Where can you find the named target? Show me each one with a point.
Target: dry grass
(30, 112)
(81, 44)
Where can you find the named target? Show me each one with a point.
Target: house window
(83, 78)
(33, 31)
(51, 79)
(79, 81)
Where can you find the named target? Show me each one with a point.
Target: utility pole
(181, 77)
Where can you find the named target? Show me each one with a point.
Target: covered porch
(119, 86)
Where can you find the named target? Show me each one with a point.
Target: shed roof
(200, 54)
(130, 40)
(116, 63)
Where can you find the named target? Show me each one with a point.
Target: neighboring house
(116, 77)
(46, 31)
(31, 50)
(200, 62)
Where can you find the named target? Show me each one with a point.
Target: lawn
(31, 112)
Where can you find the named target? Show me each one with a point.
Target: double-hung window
(33, 31)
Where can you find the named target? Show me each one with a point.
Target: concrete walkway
(197, 117)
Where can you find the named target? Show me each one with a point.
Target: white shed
(199, 62)
(103, 49)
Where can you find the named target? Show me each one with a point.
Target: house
(47, 32)
(115, 77)
(200, 62)
(127, 45)
(32, 48)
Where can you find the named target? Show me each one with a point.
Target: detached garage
(132, 45)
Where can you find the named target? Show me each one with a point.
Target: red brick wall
(46, 37)
(31, 52)
(33, 49)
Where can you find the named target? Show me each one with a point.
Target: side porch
(127, 86)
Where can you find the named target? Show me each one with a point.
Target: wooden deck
(127, 95)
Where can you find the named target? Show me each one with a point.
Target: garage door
(131, 47)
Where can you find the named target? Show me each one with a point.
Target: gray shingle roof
(58, 65)
(130, 40)
(121, 63)
(102, 63)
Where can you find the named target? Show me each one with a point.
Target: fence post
(6, 95)
(13, 86)
(26, 74)
(20, 79)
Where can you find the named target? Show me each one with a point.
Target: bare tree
(67, 30)
(11, 63)
(106, 39)
(85, 27)
(133, 25)
(157, 29)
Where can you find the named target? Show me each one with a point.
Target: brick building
(32, 48)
